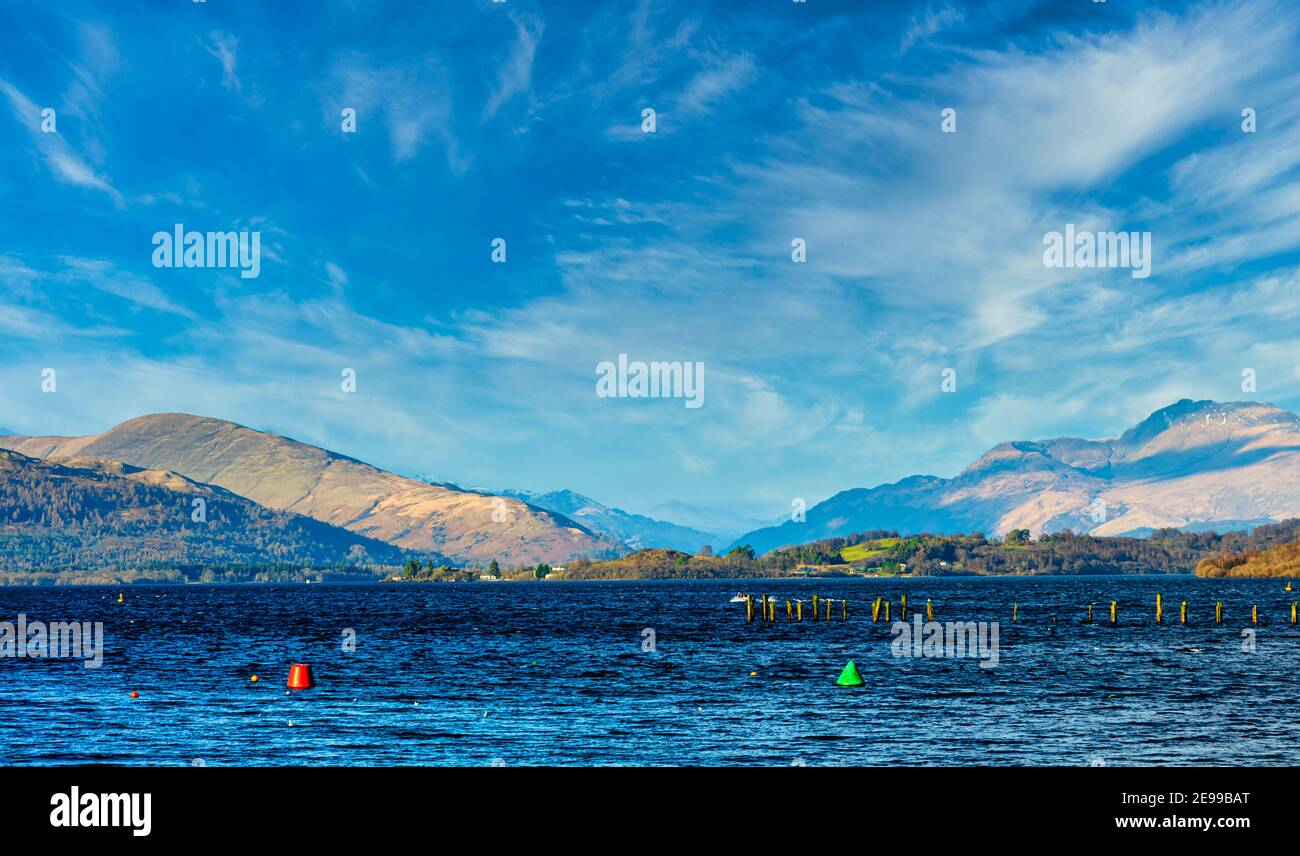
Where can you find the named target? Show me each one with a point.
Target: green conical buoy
(849, 677)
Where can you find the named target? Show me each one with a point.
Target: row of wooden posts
(880, 609)
(794, 609)
(1182, 612)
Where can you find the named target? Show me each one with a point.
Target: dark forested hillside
(85, 516)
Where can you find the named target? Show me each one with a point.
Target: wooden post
(844, 610)
(1254, 614)
(902, 608)
(886, 611)
(814, 607)
(789, 610)
(929, 610)
(1218, 613)
(1015, 612)
(1293, 606)
(1182, 617)
(1089, 621)
(1160, 611)
(829, 601)
(749, 608)
(875, 611)
(1114, 613)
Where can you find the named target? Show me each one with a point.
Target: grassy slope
(867, 549)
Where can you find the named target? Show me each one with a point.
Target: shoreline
(740, 582)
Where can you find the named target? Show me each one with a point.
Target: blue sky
(522, 120)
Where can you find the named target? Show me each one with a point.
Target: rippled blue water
(555, 673)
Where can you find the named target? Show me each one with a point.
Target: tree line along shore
(1271, 550)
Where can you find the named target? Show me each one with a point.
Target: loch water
(656, 673)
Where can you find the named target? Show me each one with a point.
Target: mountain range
(287, 475)
(91, 500)
(637, 531)
(1194, 464)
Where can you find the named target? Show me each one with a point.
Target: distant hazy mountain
(90, 514)
(637, 531)
(281, 473)
(1194, 463)
(726, 524)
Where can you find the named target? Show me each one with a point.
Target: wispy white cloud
(104, 276)
(338, 279)
(720, 80)
(714, 80)
(515, 74)
(929, 23)
(225, 47)
(59, 157)
(412, 99)
(99, 60)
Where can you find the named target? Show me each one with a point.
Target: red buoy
(134, 694)
(300, 677)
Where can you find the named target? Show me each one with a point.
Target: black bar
(528, 805)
